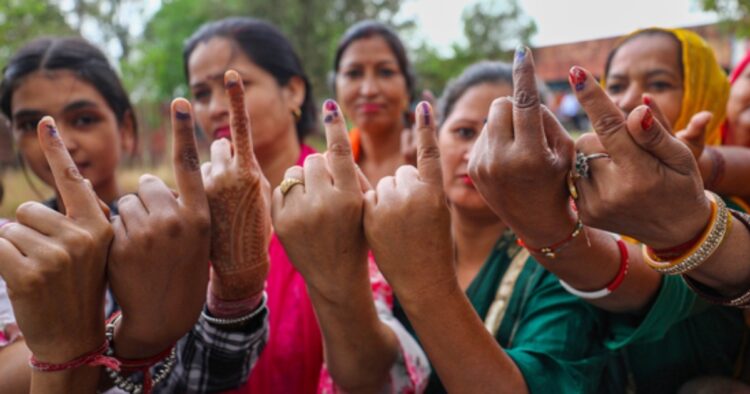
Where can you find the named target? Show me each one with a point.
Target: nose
(218, 107)
(630, 99)
(369, 86)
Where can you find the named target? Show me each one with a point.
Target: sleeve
(9, 331)
(556, 340)
(673, 303)
(411, 371)
(213, 359)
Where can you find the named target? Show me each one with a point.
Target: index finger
(239, 119)
(339, 155)
(78, 197)
(428, 153)
(606, 118)
(527, 114)
(185, 156)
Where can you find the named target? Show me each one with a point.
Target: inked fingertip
(577, 78)
(181, 108)
(520, 54)
(331, 110)
(425, 112)
(231, 78)
(647, 119)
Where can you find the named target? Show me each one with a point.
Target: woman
(374, 83)
(278, 99)
(736, 129)
(683, 78)
(651, 313)
(96, 125)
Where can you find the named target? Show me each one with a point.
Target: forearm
(725, 170)
(359, 349)
(79, 380)
(14, 368)
(728, 270)
(591, 262)
(464, 354)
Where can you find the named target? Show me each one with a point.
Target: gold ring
(572, 189)
(288, 183)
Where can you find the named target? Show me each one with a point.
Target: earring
(297, 113)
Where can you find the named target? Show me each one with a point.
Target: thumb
(694, 135)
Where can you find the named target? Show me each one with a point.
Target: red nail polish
(648, 120)
(330, 105)
(577, 78)
(647, 101)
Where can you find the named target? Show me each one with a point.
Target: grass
(18, 190)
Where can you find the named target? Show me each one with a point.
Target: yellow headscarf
(705, 84)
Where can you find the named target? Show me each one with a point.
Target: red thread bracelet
(92, 359)
(612, 286)
(552, 250)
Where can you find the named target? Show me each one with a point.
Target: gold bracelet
(719, 224)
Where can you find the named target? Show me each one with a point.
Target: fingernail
(333, 111)
(648, 119)
(231, 77)
(51, 127)
(647, 101)
(485, 121)
(181, 110)
(425, 113)
(330, 105)
(577, 78)
(520, 53)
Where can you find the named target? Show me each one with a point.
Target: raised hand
(521, 160)
(407, 222)
(158, 265)
(319, 221)
(54, 264)
(239, 198)
(650, 189)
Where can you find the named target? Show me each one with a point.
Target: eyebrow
(652, 73)
(214, 77)
(76, 105)
(388, 62)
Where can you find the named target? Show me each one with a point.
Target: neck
(474, 236)
(381, 146)
(278, 156)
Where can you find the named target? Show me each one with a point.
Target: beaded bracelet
(741, 301)
(552, 250)
(237, 320)
(612, 286)
(719, 224)
(167, 359)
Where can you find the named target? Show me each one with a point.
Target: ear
(128, 135)
(294, 92)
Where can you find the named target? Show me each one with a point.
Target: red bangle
(92, 359)
(612, 286)
(552, 250)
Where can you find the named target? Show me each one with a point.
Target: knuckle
(608, 124)
(340, 149)
(526, 99)
(429, 152)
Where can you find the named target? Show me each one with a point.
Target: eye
(85, 120)
(202, 95)
(465, 133)
(660, 86)
(25, 126)
(387, 72)
(615, 88)
(353, 74)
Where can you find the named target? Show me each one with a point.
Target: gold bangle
(719, 224)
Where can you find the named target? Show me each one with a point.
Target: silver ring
(583, 169)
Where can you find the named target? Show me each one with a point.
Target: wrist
(555, 233)
(686, 227)
(68, 350)
(227, 309)
(239, 284)
(133, 341)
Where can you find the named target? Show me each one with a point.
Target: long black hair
(269, 49)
